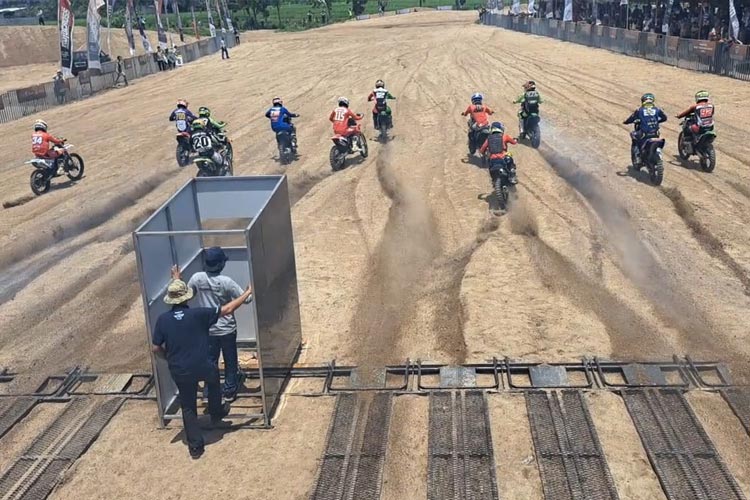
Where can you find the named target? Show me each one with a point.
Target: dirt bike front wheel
(74, 167)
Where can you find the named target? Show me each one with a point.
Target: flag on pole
(211, 26)
(195, 23)
(65, 28)
(93, 33)
(142, 31)
(129, 26)
(221, 17)
(176, 10)
(568, 13)
(228, 15)
(530, 8)
(160, 33)
(667, 15)
(733, 21)
(516, 7)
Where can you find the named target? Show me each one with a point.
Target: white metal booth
(249, 217)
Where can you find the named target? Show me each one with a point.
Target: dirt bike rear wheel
(39, 182)
(74, 167)
(337, 159)
(501, 195)
(536, 137)
(708, 162)
(183, 155)
(657, 173)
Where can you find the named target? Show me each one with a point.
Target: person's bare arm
(235, 304)
(158, 350)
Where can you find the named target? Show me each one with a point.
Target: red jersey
(500, 155)
(340, 118)
(703, 112)
(42, 143)
(479, 114)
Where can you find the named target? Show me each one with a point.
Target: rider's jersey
(42, 143)
(380, 95)
(497, 145)
(340, 118)
(703, 114)
(202, 143)
(647, 119)
(279, 116)
(479, 114)
(182, 117)
(530, 102)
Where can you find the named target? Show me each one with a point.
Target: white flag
(516, 9)
(568, 14)
(531, 7)
(733, 20)
(667, 15)
(93, 32)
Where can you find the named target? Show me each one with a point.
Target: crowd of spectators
(687, 20)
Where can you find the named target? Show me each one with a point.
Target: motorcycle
(384, 120)
(45, 170)
(504, 180)
(531, 130)
(700, 143)
(184, 148)
(342, 146)
(650, 156)
(477, 136)
(287, 144)
(207, 167)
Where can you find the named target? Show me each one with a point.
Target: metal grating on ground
(680, 451)
(571, 462)
(461, 460)
(37, 471)
(352, 464)
(14, 412)
(738, 400)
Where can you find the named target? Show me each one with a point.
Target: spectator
(181, 336)
(120, 69)
(172, 57)
(215, 290)
(224, 50)
(40, 17)
(161, 60)
(59, 87)
(236, 36)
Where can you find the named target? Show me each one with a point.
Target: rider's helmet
(648, 98)
(702, 95)
(530, 85)
(380, 84)
(199, 124)
(476, 98)
(343, 101)
(182, 103)
(40, 125)
(497, 128)
(277, 101)
(204, 112)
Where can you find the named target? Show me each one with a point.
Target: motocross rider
(182, 116)
(700, 115)
(213, 127)
(529, 101)
(345, 121)
(479, 114)
(496, 147)
(381, 96)
(206, 147)
(281, 119)
(45, 145)
(646, 119)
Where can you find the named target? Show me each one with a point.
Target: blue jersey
(647, 119)
(183, 118)
(280, 118)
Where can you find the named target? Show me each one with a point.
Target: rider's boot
(520, 125)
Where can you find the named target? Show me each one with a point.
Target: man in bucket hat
(214, 290)
(181, 335)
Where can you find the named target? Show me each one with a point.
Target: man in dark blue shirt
(182, 336)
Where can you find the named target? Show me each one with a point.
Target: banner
(65, 28)
(531, 8)
(568, 13)
(195, 23)
(93, 34)
(144, 38)
(733, 21)
(667, 15)
(221, 16)
(160, 33)
(228, 16)
(176, 10)
(211, 26)
(516, 7)
(129, 26)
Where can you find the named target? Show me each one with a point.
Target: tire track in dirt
(710, 243)
(629, 333)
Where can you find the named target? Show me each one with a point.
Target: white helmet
(380, 84)
(40, 125)
(343, 101)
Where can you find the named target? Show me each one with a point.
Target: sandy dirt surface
(397, 255)
(31, 54)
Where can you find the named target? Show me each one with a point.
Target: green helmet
(702, 95)
(199, 124)
(648, 98)
(204, 112)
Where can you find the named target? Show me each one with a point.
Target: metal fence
(700, 55)
(16, 104)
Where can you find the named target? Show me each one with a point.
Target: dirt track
(397, 256)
